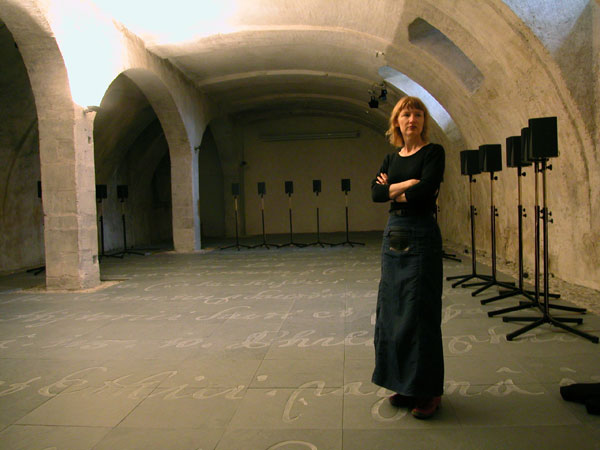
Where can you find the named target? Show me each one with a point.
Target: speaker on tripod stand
(317, 191)
(516, 157)
(469, 165)
(490, 160)
(235, 192)
(122, 195)
(40, 269)
(262, 190)
(543, 145)
(289, 190)
(450, 256)
(346, 189)
(101, 195)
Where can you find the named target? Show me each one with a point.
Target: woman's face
(411, 122)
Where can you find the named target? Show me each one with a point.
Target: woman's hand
(382, 178)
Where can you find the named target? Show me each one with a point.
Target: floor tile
(87, 407)
(160, 439)
(281, 439)
(289, 373)
(507, 404)
(26, 437)
(312, 405)
(400, 439)
(186, 407)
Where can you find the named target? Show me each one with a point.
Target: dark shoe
(425, 408)
(580, 392)
(592, 405)
(398, 401)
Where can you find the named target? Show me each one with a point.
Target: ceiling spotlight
(373, 103)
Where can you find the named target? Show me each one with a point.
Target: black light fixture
(382, 98)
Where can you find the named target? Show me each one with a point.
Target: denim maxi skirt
(409, 356)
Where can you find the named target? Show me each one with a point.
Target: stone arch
(65, 144)
(21, 215)
(184, 159)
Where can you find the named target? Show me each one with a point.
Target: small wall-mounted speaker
(262, 188)
(469, 162)
(316, 186)
(122, 191)
(543, 138)
(289, 187)
(235, 189)
(490, 157)
(101, 192)
(513, 152)
(346, 184)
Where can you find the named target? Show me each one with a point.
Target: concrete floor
(269, 349)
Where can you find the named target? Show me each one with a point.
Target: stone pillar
(70, 231)
(184, 194)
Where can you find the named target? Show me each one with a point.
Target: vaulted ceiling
(286, 57)
(325, 70)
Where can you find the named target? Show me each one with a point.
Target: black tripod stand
(346, 189)
(490, 160)
(445, 255)
(545, 306)
(289, 190)
(519, 290)
(235, 190)
(317, 190)
(514, 152)
(101, 194)
(543, 144)
(122, 193)
(37, 270)
(473, 275)
(469, 161)
(40, 269)
(262, 191)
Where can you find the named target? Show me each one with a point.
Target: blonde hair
(393, 133)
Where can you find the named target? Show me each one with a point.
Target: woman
(408, 338)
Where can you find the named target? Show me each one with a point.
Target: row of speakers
(102, 192)
(538, 141)
(289, 187)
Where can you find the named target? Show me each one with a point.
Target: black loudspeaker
(490, 157)
(513, 152)
(525, 137)
(262, 188)
(101, 191)
(39, 185)
(346, 184)
(469, 162)
(316, 186)
(122, 192)
(543, 138)
(235, 189)
(289, 187)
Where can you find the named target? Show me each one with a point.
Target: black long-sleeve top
(426, 165)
